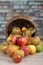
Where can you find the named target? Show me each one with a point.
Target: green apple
(41, 42)
(39, 48)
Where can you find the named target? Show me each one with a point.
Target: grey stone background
(33, 8)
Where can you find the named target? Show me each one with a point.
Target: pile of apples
(18, 45)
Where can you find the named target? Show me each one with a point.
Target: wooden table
(36, 59)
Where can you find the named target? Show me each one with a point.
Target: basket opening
(19, 23)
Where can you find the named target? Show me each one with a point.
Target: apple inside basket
(20, 21)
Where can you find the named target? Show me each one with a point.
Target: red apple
(17, 58)
(13, 39)
(26, 50)
(22, 41)
(27, 37)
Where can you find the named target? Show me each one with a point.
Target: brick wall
(8, 8)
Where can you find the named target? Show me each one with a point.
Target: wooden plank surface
(36, 59)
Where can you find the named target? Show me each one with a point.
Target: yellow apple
(0, 47)
(8, 39)
(35, 40)
(19, 52)
(4, 48)
(11, 49)
(16, 46)
(32, 49)
(4, 43)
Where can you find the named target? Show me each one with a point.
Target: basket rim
(25, 17)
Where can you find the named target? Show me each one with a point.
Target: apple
(9, 39)
(29, 42)
(17, 47)
(28, 32)
(24, 29)
(39, 48)
(13, 39)
(35, 40)
(32, 49)
(11, 50)
(41, 42)
(26, 50)
(19, 52)
(4, 48)
(17, 58)
(16, 30)
(22, 41)
(5, 43)
(27, 37)
(0, 47)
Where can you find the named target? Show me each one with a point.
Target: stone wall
(33, 8)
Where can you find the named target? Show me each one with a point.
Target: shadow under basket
(20, 21)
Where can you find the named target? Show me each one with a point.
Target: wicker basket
(20, 21)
